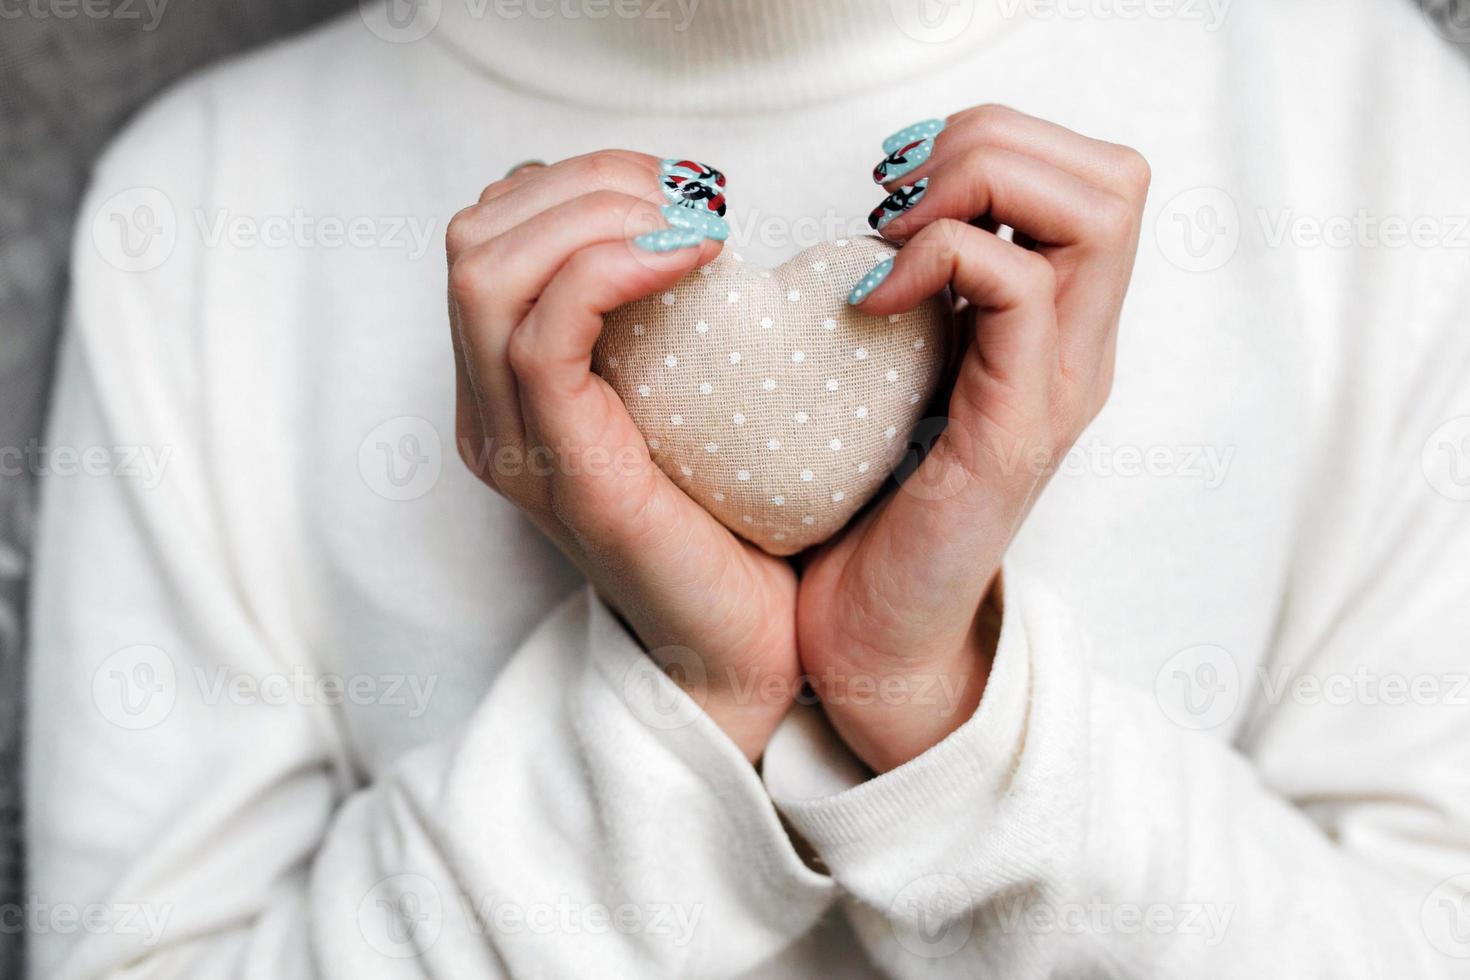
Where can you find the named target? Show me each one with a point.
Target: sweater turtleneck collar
(711, 55)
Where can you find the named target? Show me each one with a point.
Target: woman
(316, 705)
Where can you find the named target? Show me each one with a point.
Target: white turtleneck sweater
(309, 701)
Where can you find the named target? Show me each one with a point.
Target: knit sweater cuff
(902, 818)
(673, 724)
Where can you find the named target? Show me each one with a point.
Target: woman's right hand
(532, 269)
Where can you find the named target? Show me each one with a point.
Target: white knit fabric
(1223, 737)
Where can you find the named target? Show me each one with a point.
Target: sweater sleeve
(1080, 826)
(588, 819)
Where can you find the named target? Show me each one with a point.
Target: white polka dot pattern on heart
(800, 400)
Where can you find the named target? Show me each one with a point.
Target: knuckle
(459, 235)
(584, 266)
(991, 118)
(979, 160)
(944, 236)
(608, 208)
(601, 169)
(1134, 171)
(469, 276)
(522, 354)
(1034, 273)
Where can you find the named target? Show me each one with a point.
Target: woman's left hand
(892, 616)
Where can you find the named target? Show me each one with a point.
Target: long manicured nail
(692, 184)
(669, 239)
(907, 150)
(707, 223)
(870, 282)
(897, 203)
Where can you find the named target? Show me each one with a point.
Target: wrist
(891, 713)
(745, 696)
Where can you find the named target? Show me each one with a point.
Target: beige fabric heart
(767, 398)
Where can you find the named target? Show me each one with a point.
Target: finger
(495, 285)
(525, 165)
(518, 264)
(908, 150)
(970, 484)
(1090, 236)
(547, 188)
(1013, 289)
(1032, 196)
(1112, 166)
(531, 169)
(551, 350)
(469, 423)
(514, 177)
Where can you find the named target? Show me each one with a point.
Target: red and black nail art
(694, 185)
(897, 203)
(896, 163)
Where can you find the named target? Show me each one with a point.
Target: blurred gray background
(68, 80)
(70, 76)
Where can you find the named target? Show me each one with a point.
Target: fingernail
(870, 282)
(707, 223)
(907, 150)
(669, 239)
(897, 203)
(692, 184)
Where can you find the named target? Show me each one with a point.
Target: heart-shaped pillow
(768, 399)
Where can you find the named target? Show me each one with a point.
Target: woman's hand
(897, 605)
(532, 268)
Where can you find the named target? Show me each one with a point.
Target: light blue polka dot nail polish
(928, 129)
(907, 150)
(708, 223)
(669, 239)
(870, 282)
